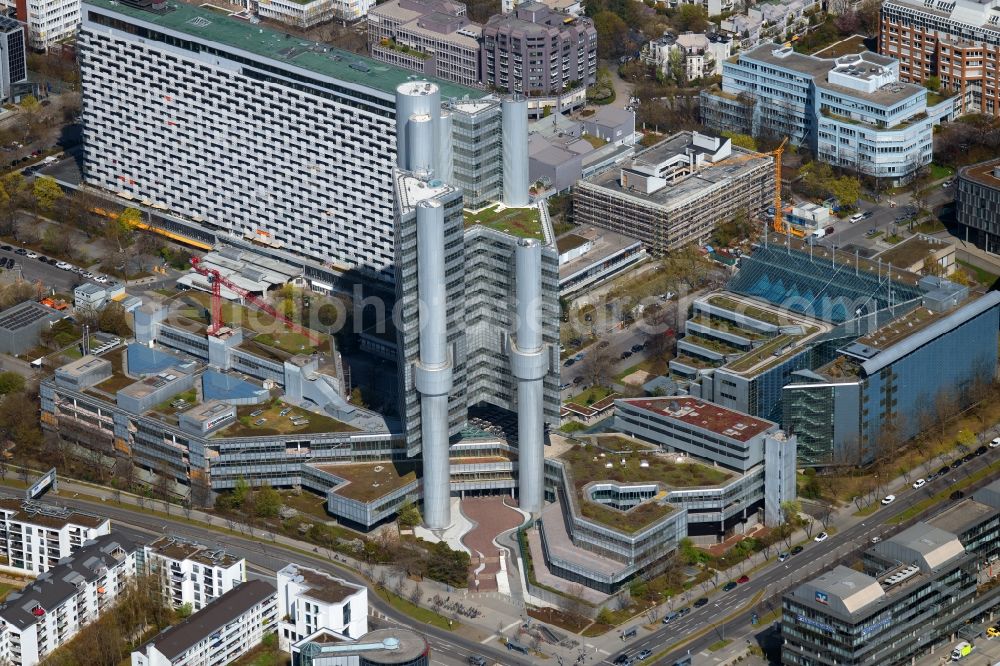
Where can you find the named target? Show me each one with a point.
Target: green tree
(10, 382)
(267, 502)
(612, 35)
(113, 319)
(47, 193)
(409, 515)
(846, 189)
(184, 611)
(240, 491)
(693, 18)
(57, 241)
(741, 140)
(933, 83)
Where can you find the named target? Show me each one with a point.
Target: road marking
(505, 629)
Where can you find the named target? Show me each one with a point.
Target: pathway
(492, 516)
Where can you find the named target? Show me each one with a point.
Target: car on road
(644, 654)
(477, 660)
(63, 265)
(993, 632)
(919, 483)
(626, 354)
(87, 275)
(821, 537)
(21, 251)
(31, 255)
(857, 217)
(622, 660)
(743, 579)
(684, 611)
(944, 470)
(888, 499)
(995, 442)
(876, 539)
(702, 601)
(783, 556)
(957, 495)
(797, 550)
(6, 248)
(670, 617)
(569, 362)
(101, 279)
(578, 379)
(967, 457)
(980, 451)
(730, 586)
(564, 386)
(637, 348)
(957, 462)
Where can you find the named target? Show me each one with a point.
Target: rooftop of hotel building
(222, 27)
(707, 415)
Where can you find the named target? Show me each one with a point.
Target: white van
(857, 217)
(962, 650)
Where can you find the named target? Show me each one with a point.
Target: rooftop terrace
(912, 250)
(369, 481)
(276, 424)
(720, 420)
(520, 222)
(283, 48)
(645, 465)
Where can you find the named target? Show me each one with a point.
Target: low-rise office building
(852, 111)
(590, 255)
(34, 537)
(977, 199)
(191, 574)
(917, 588)
(21, 326)
(382, 647)
(218, 634)
(311, 601)
(62, 601)
(676, 192)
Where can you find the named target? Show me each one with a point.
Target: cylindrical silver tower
(529, 364)
(515, 151)
(414, 98)
(432, 373)
(444, 169)
(420, 146)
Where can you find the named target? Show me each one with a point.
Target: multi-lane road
(267, 558)
(775, 579)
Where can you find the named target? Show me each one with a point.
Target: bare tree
(652, 614)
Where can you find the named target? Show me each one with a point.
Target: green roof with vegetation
(521, 222)
(275, 424)
(370, 481)
(281, 47)
(587, 465)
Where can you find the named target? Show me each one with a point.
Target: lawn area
(894, 239)
(369, 481)
(595, 141)
(305, 503)
(190, 396)
(521, 222)
(276, 424)
(572, 426)
(938, 171)
(416, 612)
(930, 227)
(591, 395)
(849, 46)
(718, 645)
(5, 589)
(982, 277)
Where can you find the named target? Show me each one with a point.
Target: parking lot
(986, 653)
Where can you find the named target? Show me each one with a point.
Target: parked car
(702, 601)
(944, 470)
(888, 499)
(603, 344)
(670, 617)
(63, 265)
(730, 586)
(21, 251)
(260, 422)
(981, 450)
(995, 442)
(87, 275)
(285, 412)
(876, 539)
(783, 556)
(797, 550)
(101, 279)
(637, 348)
(743, 579)
(31, 255)
(5, 248)
(644, 654)
(993, 632)
(578, 379)
(684, 611)
(626, 354)
(256, 412)
(919, 483)
(821, 537)
(569, 362)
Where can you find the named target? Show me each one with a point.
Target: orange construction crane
(779, 224)
(217, 281)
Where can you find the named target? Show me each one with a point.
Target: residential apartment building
(310, 601)
(319, 155)
(191, 574)
(852, 111)
(13, 56)
(538, 52)
(957, 41)
(35, 536)
(60, 602)
(977, 200)
(433, 37)
(48, 22)
(312, 12)
(677, 191)
(917, 588)
(218, 634)
(688, 56)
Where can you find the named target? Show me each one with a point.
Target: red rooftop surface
(720, 420)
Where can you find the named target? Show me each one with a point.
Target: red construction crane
(217, 281)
